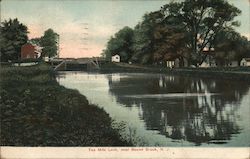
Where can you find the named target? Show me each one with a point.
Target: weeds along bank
(234, 73)
(37, 111)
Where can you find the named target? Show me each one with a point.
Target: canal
(165, 110)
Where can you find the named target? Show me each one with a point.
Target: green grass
(37, 111)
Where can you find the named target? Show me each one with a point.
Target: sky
(85, 26)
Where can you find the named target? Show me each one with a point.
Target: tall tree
(171, 37)
(13, 36)
(160, 37)
(144, 43)
(204, 19)
(230, 46)
(49, 43)
(181, 29)
(121, 44)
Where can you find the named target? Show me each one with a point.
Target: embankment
(236, 73)
(37, 111)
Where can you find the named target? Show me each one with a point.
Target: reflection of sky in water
(171, 95)
(170, 110)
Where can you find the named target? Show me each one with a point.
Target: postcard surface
(125, 79)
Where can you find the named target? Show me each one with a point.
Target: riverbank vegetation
(239, 73)
(191, 31)
(37, 111)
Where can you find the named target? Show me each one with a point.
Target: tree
(171, 37)
(49, 43)
(144, 43)
(203, 20)
(230, 46)
(36, 41)
(159, 37)
(121, 44)
(181, 30)
(13, 36)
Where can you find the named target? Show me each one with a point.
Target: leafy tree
(229, 46)
(107, 53)
(36, 41)
(183, 29)
(160, 37)
(144, 43)
(49, 43)
(204, 19)
(121, 44)
(13, 36)
(180, 29)
(171, 35)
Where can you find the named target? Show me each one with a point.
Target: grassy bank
(37, 111)
(239, 73)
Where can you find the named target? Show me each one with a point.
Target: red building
(30, 51)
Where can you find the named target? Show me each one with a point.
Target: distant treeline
(190, 30)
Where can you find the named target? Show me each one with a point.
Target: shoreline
(35, 114)
(37, 111)
(238, 73)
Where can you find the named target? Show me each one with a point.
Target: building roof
(29, 44)
(247, 59)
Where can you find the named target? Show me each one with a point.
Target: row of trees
(15, 34)
(182, 30)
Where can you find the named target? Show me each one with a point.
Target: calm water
(163, 110)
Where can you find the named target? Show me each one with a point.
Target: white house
(209, 60)
(245, 62)
(176, 62)
(38, 50)
(46, 58)
(116, 58)
(170, 63)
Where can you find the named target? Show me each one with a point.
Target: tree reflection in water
(181, 108)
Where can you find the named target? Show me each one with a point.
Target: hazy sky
(85, 26)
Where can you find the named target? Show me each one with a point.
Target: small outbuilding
(116, 58)
(170, 63)
(245, 62)
(209, 60)
(176, 62)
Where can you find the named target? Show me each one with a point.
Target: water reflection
(170, 110)
(181, 108)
